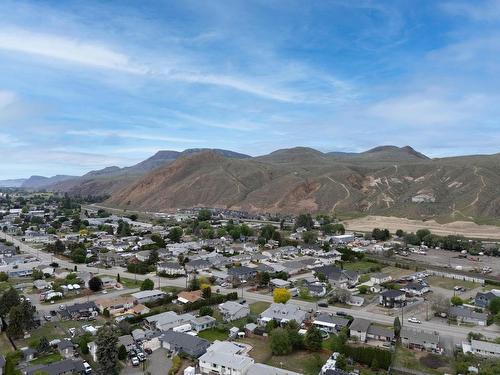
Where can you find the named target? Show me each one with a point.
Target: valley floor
(464, 228)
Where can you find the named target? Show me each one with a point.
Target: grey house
(178, 342)
(392, 298)
(483, 299)
(242, 273)
(415, 339)
(466, 315)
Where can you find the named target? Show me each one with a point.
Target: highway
(456, 333)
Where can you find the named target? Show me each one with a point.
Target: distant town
(89, 289)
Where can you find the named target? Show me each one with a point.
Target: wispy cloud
(130, 135)
(478, 10)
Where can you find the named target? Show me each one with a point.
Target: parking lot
(157, 363)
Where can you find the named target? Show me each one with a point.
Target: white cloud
(488, 10)
(67, 49)
(130, 135)
(429, 108)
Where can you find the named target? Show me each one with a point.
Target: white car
(414, 320)
(135, 361)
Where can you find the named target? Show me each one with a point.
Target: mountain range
(385, 180)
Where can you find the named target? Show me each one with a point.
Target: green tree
(147, 284)
(206, 311)
(304, 221)
(204, 215)
(280, 342)
(313, 339)
(295, 338)
(175, 234)
(341, 362)
(122, 353)
(397, 326)
(494, 306)
(95, 284)
(206, 292)
(309, 237)
(107, 351)
(456, 301)
(4, 277)
(8, 300)
(153, 257)
(43, 345)
(194, 284)
(363, 289)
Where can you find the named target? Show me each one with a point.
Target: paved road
(457, 333)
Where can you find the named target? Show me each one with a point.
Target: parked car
(323, 304)
(341, 313)
(414, 320)
(48, 318)
(141, 356)
(87, 368)
(135, 361)
(148, 350)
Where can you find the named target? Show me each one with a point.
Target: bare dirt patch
(464, 228)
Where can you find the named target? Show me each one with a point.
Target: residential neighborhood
(221, 298)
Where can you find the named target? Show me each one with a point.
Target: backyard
(447, 283)
(421, 361)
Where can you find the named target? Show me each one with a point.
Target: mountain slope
(108, 180)
(40, 182)
(386, 181)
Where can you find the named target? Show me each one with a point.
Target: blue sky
(84, 84)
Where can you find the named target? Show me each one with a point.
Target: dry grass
(465, 228)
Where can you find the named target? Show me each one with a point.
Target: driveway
(156, 364)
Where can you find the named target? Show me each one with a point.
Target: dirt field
(464, 228)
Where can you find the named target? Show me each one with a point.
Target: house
(189, 297)
(197, 265)
(483, 299)
(202, 323)
(66, 366)
(170, 269)
(66, 348)
(467, 315)
(146, 296)
(41, 284)
(416, 289)
(108, 283)
(482, 348)
(330, 323)
(380, 278)
(376, 332)
(392, 298)
(279, 283)
(242, 273)
(231, 310)
(359, 328)
(337, 277)
(416, 339)
(167, 320)
(315, 289)
(282, 313)
(179, 342)
(115, 305)
(217, 362)
(80, 310)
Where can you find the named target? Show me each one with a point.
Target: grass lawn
(172, 289)
(258, 307)
(359, 266)
(47, 359)
(213, 334)
(5, 345)
(126, 282)
(447, 283)
(396, 272)
(302, 362)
